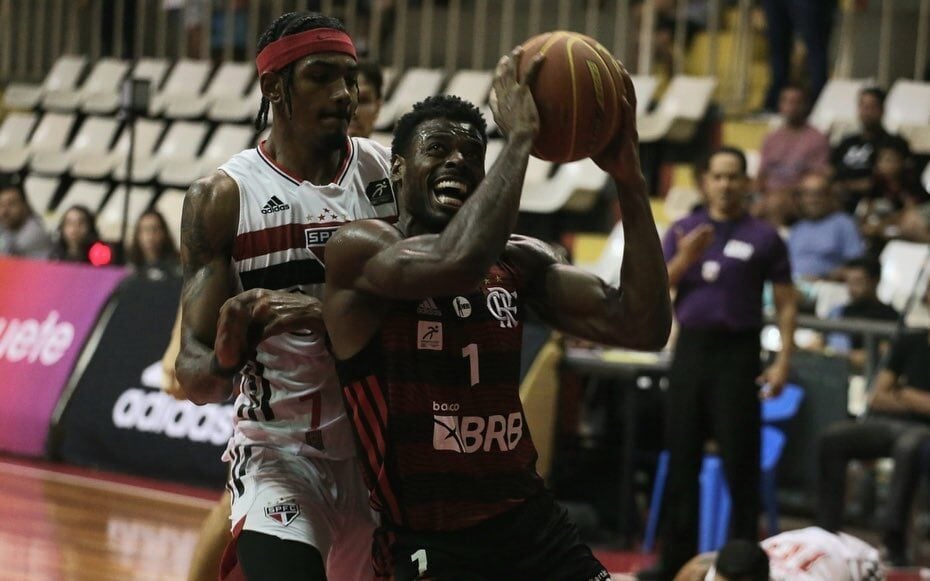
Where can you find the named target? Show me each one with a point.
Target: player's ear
(398, 166)
(272, 86)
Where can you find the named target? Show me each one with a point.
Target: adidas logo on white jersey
(428, 307)
(275, 205)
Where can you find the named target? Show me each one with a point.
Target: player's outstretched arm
(208, 231)
(580, 303)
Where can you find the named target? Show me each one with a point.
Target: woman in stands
(152, 247)
(76, 233)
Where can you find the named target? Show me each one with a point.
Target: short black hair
(13, 182)
(724, 150)
(743, 560)
(371, 71)
(871, 266)
(436, 107)
(876, 92)
(286, 25)
(799, 88)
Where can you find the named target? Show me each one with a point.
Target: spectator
(788, 153)
(718, 260)
(152, 247)
(915, 223)
(824, 238)
(21, 232)
(896, 190)
(77, 232)
(897, 424)
(813, 20)
(370, 99)
(862, 277)
(854, 158)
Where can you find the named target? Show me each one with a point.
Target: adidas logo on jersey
(428, 307)
(468, 434)
(274, 205)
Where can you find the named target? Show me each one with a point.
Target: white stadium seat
(237, 108)
(148, 131)
(64, 75)
(180, 144)
(231, 79)
(81, 193)
(645, 87)
(170, 204)
(682, 108)
(106, 102)
(40, 191)
(49, 137)
(225, 142)
(416, 85)
(16, 129)
(907, 111)
(104, 79)
(185, 81)
(471, 85)
(110, 218)
(837, 107)
(93, 139)
(901, 263)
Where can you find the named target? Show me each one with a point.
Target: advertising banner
(119, 418)
(47, 311)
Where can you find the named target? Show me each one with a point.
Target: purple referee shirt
(723, 290)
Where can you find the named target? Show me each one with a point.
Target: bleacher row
(67, 136)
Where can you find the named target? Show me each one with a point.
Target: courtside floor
(66, 523)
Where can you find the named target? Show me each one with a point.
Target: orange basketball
(578, 93)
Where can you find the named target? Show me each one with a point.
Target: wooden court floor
(74, 525)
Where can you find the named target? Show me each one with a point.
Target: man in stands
(788, 153)
(897, 424)
(21, 231)
(299, 506)
(425, 321)
(824, 238)
(854, 158)
(370, 99)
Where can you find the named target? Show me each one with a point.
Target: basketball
(578, 93)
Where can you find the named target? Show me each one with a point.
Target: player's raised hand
(620, 158)
(511, 100)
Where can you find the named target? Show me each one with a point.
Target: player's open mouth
(450, 192)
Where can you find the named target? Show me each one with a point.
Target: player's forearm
(198, 375)
(645, 303)
(787, 313)
(916, 400)
(477, 234)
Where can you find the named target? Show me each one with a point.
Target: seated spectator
(854, 158)
(862, 278)
(809, 554)
(896, 424)
(152, 247)
(915, 223)
(77, 232)
(788, 153)
(370, 99)
(21, 231)
(824, 238)
(896, 190)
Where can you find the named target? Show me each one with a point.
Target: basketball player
(810, 554)
(425, 321)
(259, 225)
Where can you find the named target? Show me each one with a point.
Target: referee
(718, 259)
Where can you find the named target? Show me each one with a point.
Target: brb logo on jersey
(468, 434)
(503, 307)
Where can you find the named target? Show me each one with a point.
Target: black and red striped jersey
(434, 399)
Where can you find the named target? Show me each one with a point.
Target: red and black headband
(288, 49)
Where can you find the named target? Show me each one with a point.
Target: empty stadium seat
(170, 204)
(83, 193)
(106, 102)
(682, 108)
(236, 108)
(901, 264)
(472, 85)
(416, 85)
(50, 136)
(40, 191)
(92, 166)
(64, 75)
(574, 187)
(645, 87)
(16, 129)
(226, 141)
(185, 81)
(907, 111)
(110, 218)
(180, 144)
(838, 105)
(231, 79)
(104, 79)
(93, 139)
(607, 266)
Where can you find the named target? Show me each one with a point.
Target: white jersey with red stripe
(813, 554)
(290, 396)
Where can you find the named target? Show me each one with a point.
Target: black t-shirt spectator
(854, 157)
(876, 310)
(910, 361)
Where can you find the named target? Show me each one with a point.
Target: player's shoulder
(218, 187)
(371, 151)
(528, 252)
(353, 244)
(212, 203)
